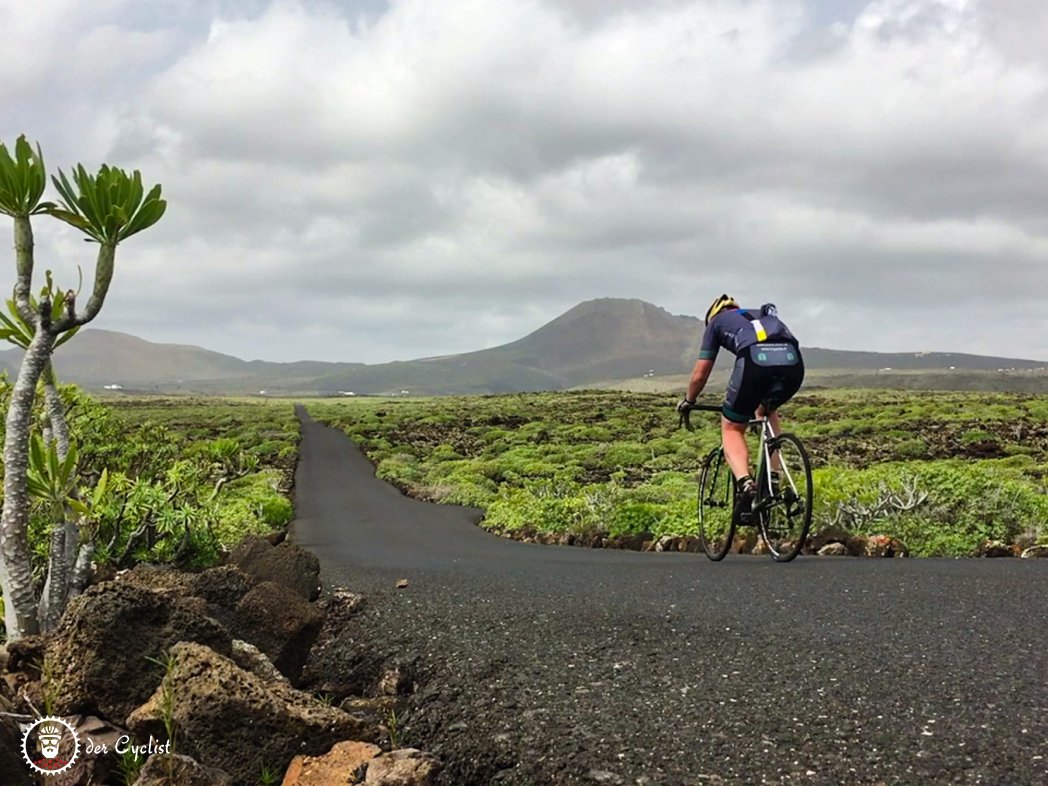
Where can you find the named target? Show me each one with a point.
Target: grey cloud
(358, 181)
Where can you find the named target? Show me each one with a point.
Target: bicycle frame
(764, 452)
(785, 495)
(765, 463)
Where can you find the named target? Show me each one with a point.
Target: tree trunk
(55, 411)
(16, 575)
(24, 263)
(56, 587)
(81, 569)
(60, 567)
(65, 545)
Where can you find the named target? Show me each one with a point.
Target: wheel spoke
(785, 512)
(715, 513)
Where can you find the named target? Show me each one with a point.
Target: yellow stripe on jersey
(762, 334)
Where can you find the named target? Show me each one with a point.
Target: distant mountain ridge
(596, 342)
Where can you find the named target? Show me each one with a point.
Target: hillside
(605, 342)
(600, 342)
(98, 358)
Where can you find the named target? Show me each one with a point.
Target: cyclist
(768, 366)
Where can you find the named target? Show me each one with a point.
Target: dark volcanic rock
(176, 770)
(13, 768)
(103, 655)
(285, 563)
(280, 623)
(221, 711)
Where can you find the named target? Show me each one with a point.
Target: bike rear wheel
(784, 508)
(716, 500)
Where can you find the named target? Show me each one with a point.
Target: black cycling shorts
(772, 371)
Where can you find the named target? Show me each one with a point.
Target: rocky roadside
(832, 542)
(216, 674)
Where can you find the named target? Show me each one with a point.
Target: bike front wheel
(716, 499)
(784, 501)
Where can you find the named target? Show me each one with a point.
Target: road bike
(782, 507)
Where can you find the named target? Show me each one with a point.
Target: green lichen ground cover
(616, 462)
(217, 469)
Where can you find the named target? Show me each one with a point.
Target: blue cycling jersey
(738, 328)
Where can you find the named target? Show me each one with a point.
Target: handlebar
(685, 416)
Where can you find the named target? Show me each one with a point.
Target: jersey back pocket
(774, 354)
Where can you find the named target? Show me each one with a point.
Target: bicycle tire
(716, 506)
(784, 514)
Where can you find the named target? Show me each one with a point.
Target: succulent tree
(108, 208)
(71, 555)
(16, 330)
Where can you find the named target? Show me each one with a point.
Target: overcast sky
(370, 181)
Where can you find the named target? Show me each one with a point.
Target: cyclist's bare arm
(699, 376)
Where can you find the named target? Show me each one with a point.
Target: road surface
(558, 665)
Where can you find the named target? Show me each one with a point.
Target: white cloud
(357, 185)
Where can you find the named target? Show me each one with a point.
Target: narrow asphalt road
(556, 665)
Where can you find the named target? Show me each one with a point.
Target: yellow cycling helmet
(721, 303)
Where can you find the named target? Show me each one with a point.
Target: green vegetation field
(220, 468)
(187, 477)
(943, 472)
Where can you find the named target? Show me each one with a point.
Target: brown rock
(21, 668)
(103, 657)
(343, 604)
(159, 578)
(372, 711)
(402, 584)
(220, 711)
(339, 766)
(833, 550)
(396, 680)
(286, 563)
(13, 769)
(993, 548)
(176, 770)
(857, 545)
(224, 586)
(89, 767)
(690, 545)
(6, 705)
(885, 546)
(631, 541)
(667, 543)
(25, 656)
(829, 535)
(744, 542)
(220, 589)
(338, 609)
(527, 532)
(250, 658)
(404, 767)
(280, 623)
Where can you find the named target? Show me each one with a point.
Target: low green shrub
(616, 462)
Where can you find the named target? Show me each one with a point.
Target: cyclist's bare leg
(736, 451)
(773, 419)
